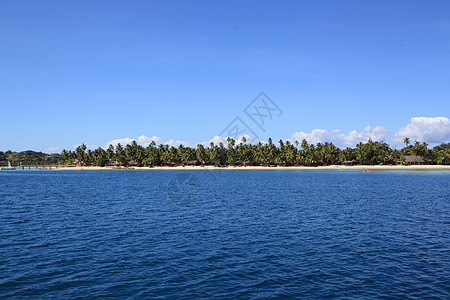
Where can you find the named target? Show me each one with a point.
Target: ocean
(224, 234)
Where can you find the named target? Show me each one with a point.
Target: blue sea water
(224, 234)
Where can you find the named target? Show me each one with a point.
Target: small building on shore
(192, 163)
(414, 160)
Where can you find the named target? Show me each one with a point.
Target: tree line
(285, 153)
(28, 158)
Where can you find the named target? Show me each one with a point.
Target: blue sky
(97, 71)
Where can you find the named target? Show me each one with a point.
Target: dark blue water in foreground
(224, 234)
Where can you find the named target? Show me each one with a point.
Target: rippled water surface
(224, 234)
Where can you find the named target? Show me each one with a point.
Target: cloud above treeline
(430, 130)
(146, 140)
(220, 139)
(424, 129)
(53, 150)
(339, 138)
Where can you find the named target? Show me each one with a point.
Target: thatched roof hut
(413, 159)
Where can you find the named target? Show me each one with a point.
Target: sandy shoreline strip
(199, 168)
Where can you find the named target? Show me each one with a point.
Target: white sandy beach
(333, 167)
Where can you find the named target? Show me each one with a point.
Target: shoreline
(200, 168)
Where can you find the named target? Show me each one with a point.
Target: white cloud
(177, 143)
(430, 130)
(340, 139)
(53, 150)
(219, 139)
(216, 141)
(88, 147)
(145, 141)
(248, 139)
(123, 141)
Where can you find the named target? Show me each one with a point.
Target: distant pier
(32, 167)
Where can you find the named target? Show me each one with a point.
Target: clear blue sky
(94, 71)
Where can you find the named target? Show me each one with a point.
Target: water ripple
(249, 234)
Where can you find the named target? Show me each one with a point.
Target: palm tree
(371, 152)
(231, 158)
(152, 155)
(120, 154)
(304, 144)
(64, 156)
(110, 154)
(406, 141)
(81, 153)
(201, 154)
(99, 157)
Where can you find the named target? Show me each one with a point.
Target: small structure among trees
(414, 159)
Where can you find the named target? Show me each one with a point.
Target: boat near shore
(9, 168)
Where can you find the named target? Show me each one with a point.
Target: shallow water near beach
(224, 234)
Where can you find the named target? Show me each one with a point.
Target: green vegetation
(235, 154)
(28, 158)
(269, 154)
